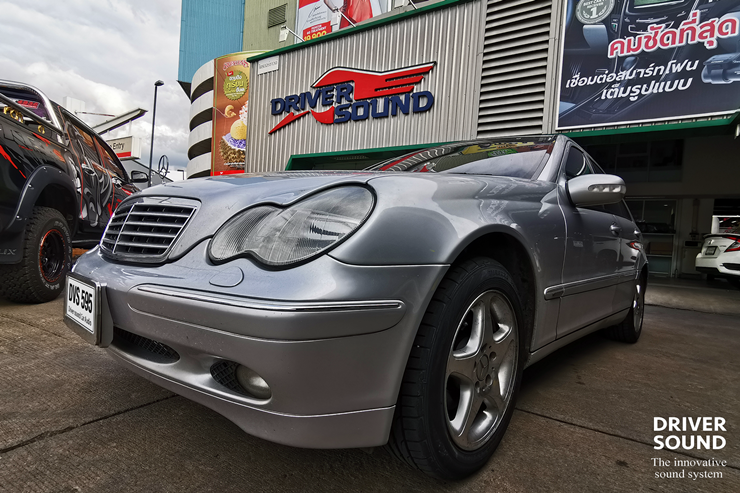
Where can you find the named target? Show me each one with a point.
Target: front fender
(430, 220)
(41, 178)
(422, 220)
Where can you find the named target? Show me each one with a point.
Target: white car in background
(720, 256)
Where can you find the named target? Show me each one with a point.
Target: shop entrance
(349, 160)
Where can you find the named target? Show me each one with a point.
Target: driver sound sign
(346, 94)
(633, 61)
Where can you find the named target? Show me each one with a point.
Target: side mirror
(139, 177)
(596, 189)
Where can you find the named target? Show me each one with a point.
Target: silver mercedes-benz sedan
(397, 305)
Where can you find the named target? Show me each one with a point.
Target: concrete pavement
(72, 420)
(716, 296)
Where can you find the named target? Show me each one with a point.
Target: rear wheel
(47, 257)
(630, 328)
(463, 374)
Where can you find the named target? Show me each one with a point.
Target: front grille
(143, 347)
(224, 372)
(145, 230)
(731, 266)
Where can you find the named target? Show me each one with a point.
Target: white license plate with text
(81, 305)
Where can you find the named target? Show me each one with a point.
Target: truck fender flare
(41, 178)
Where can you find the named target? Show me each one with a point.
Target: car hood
(222, 197)
(234, 192)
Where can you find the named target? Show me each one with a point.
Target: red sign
(317, 31)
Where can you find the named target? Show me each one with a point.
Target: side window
(619, 209)
(576, 164)
(87, 146)
(111, 162)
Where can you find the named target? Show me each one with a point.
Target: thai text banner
(632, 61)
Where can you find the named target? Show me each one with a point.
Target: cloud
(107, 53)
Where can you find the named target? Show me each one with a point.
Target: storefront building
(647, 87)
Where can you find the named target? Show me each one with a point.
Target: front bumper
(329, 338)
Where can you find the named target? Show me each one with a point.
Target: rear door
(592, 253)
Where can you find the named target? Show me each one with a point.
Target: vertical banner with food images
(317, 18)
(230, 103)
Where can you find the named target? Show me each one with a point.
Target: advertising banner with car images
(317, 18)
(631, 61)
(230, 103)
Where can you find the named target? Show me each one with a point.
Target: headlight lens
(279, 237)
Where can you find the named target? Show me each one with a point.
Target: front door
(590, 270)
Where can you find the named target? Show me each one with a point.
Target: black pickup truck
(59, 185)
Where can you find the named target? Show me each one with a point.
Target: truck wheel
(462, 377)
(47, 257)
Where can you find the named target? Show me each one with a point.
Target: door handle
(616, 230)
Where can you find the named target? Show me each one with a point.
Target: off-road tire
(419, 434)
(630, 329)
(26, 282)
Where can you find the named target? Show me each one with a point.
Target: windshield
(517, 158)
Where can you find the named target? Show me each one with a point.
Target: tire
(47, 257)
(735, 282)
(453, 368)
(711, 277)
(630, 328)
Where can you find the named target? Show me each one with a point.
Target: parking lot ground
(715, 296)
(73, 420)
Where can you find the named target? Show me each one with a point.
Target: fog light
(253, 383)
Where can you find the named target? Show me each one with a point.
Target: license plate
(710, 250)
(82, 305)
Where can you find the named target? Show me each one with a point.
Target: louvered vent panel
(276, 16)
(512, 97)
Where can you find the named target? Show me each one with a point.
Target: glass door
(656, 218)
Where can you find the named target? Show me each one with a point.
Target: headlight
(281, 236)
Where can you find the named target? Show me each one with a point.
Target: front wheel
(463, 374)
(47, 257)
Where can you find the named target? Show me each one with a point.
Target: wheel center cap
(482, 368)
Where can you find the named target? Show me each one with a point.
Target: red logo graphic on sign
(369, 84)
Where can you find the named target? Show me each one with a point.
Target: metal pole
(154, 116)
(300, 40)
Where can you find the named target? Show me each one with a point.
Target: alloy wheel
(638, 306)
(52, 255)
(481, 370)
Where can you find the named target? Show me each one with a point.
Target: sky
(107, 53)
